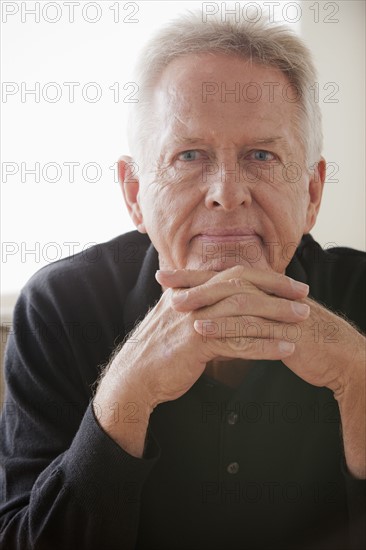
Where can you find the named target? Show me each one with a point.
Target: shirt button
(233, 468)
(232, 418)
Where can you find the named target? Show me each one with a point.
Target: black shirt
(256, 467)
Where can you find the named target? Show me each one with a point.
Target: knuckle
(234, 301)
(241, 301)
(236, 282)
(235, 344)
(237, 271)
(241, 284)
(259, 346)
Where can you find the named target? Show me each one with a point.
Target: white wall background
(339, 51)
(45, 220)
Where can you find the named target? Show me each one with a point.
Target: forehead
(220, 93)
(193, 69)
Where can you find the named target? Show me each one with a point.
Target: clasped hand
(237, 313)
(256, 314)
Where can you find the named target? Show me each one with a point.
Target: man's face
(227, 182)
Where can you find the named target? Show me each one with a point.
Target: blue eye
(262, 155)
(188, 155)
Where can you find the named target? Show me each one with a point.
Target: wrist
(122, 411)
(352, 405)
(124, 420)
(351, 379)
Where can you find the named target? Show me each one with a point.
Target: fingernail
(297, 285)
(179, 298)
(300, 309)
(197, 325)
(286, 347)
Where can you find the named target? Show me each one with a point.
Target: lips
(236, 234)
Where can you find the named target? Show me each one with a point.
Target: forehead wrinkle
(186, 140)
(176, 117)
(269, 139)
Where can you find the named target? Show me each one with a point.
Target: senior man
(231, 413)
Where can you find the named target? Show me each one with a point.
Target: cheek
(284, 205)
(179, 187)
(298, 202)
(168, 209)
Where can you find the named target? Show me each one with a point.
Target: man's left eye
(261, 155)
(189, 155)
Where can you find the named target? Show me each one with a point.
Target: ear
(130, 185)
(316, 185)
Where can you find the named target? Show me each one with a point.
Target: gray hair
(262, 42)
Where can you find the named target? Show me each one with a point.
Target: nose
(227, 188)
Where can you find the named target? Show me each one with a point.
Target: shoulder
(69, 316)
(337, 264)
(336, 276)
(311, 250)
(98, 275)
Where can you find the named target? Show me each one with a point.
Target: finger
(183, 278)
(259, 305)
(247, 327)
(250, 348)
(238, 297)
(268, 281)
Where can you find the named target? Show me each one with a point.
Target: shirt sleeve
(64, 482)
(356, 502)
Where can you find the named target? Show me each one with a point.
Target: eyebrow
(189, 140)
(269, 139)
(260, 141)
(280, 140)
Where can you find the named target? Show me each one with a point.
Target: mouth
(217, 235)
